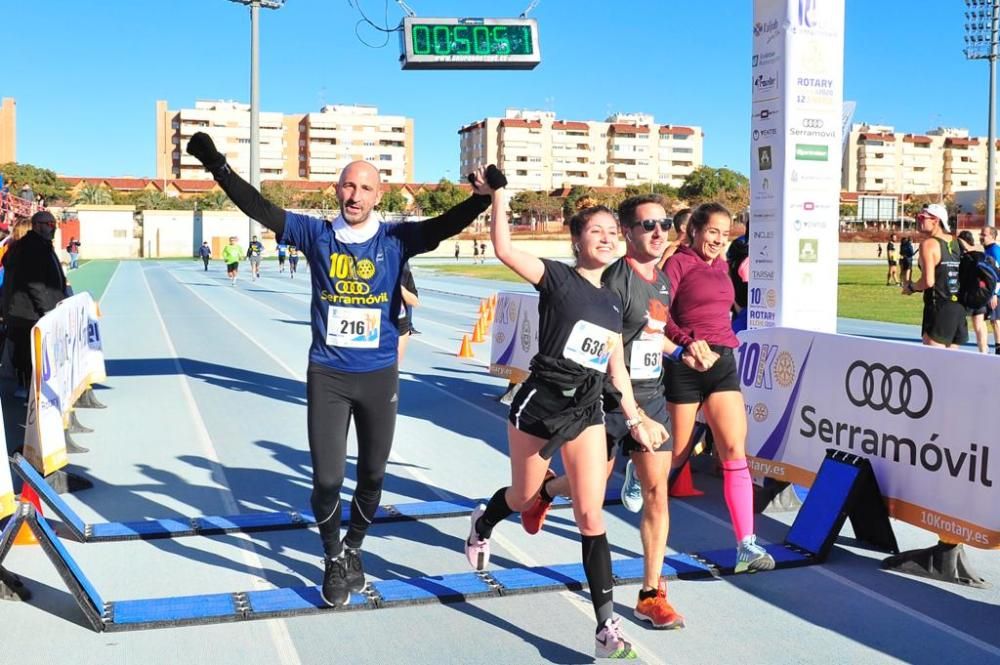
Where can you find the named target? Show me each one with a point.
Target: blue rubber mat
(180, 609)
(444, 588)
(685, 566)
(210, 525)
(784, 557)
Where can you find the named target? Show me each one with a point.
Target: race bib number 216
(353, 327)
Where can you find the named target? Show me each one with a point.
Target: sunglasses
(650, 224)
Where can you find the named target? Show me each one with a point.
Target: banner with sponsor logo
(797, 93)
(514, 338)
(905, 407)
(66, 359)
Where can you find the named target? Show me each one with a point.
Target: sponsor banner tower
(797, 102)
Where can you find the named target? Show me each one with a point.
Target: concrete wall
(107, 232)
(168, 233)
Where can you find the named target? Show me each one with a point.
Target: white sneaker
(752, 557)
(631, 490)
(610, 641)
(477, 550)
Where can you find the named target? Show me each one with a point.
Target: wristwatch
(632, 422)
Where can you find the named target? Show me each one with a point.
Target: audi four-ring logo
(889, 388)
(346, 288)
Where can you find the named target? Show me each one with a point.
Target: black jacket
(34, 281)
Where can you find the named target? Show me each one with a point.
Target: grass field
(92, 276)
(861, 293)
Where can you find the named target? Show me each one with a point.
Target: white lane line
(873, 595)
(575, 600)
(280, 637)
(418, 338)
(107, 287)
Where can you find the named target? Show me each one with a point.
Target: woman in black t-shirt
(560, 406)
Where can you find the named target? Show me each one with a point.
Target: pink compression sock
(738, 489)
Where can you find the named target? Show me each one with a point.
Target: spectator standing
(34, 284)
(988, 236)
(906, 253)
(892, 276)
(482, 252)
(878, 250)
(457, 251)
(943, 322)
(73, 249)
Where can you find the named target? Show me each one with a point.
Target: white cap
(938, 211)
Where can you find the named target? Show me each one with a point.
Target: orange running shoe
(658, 611)
(533, 518)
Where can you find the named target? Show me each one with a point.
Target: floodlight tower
(255, 6)
(981, 24)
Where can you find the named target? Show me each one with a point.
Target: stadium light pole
(982, 19)
(255, 6)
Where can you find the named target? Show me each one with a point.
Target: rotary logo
(771, 296)
(499, 337)
(366, 269)
(784, 369)
(760, 412)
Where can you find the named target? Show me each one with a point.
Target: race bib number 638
(589, 345)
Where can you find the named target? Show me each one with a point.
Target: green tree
(214, 200)
(726, 186)
(278, 193)
(848, 210)
(536, 206)
(393, 201)
(571, 203)
(318, 201)
(435, 201)
(91, 194)
(42, 181)
(154, 200)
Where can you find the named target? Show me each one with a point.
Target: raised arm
(526, 265)
(243, 194)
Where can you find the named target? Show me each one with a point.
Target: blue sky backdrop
(86, 75)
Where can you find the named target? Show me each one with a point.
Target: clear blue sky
(86, 74)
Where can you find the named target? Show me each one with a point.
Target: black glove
(202, 148)
(494, 177)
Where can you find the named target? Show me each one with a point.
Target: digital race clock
(469, 43)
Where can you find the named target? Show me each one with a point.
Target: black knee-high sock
(497, 511)
(597, 566)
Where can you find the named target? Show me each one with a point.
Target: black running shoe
(335, 589)
(355, 571)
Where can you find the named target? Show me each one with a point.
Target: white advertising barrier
(514, 338)
(6, 486)
(67, 357)
(911, 410)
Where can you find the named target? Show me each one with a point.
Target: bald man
(356, 263)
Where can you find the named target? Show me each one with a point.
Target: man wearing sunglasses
(34, 283)
(645, 293)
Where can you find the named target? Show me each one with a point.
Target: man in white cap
(944, 322)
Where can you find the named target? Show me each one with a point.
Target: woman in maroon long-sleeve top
(702, 296)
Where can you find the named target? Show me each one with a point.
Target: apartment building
(942, 161)
(307, 146)
(8, 130)
(539, 152)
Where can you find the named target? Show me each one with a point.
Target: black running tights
(333, 398)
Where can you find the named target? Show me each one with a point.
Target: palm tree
(153, 200)
(91, 194)
(214, 200)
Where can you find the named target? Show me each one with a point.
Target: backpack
(978, 275)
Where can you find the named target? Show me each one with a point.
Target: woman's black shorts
(689, 386)
(536, 401)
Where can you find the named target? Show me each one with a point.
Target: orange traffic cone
(25, 536)
(477, 333)
(482, 307)
(493, 300)
(466, 350)
(682, 484)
